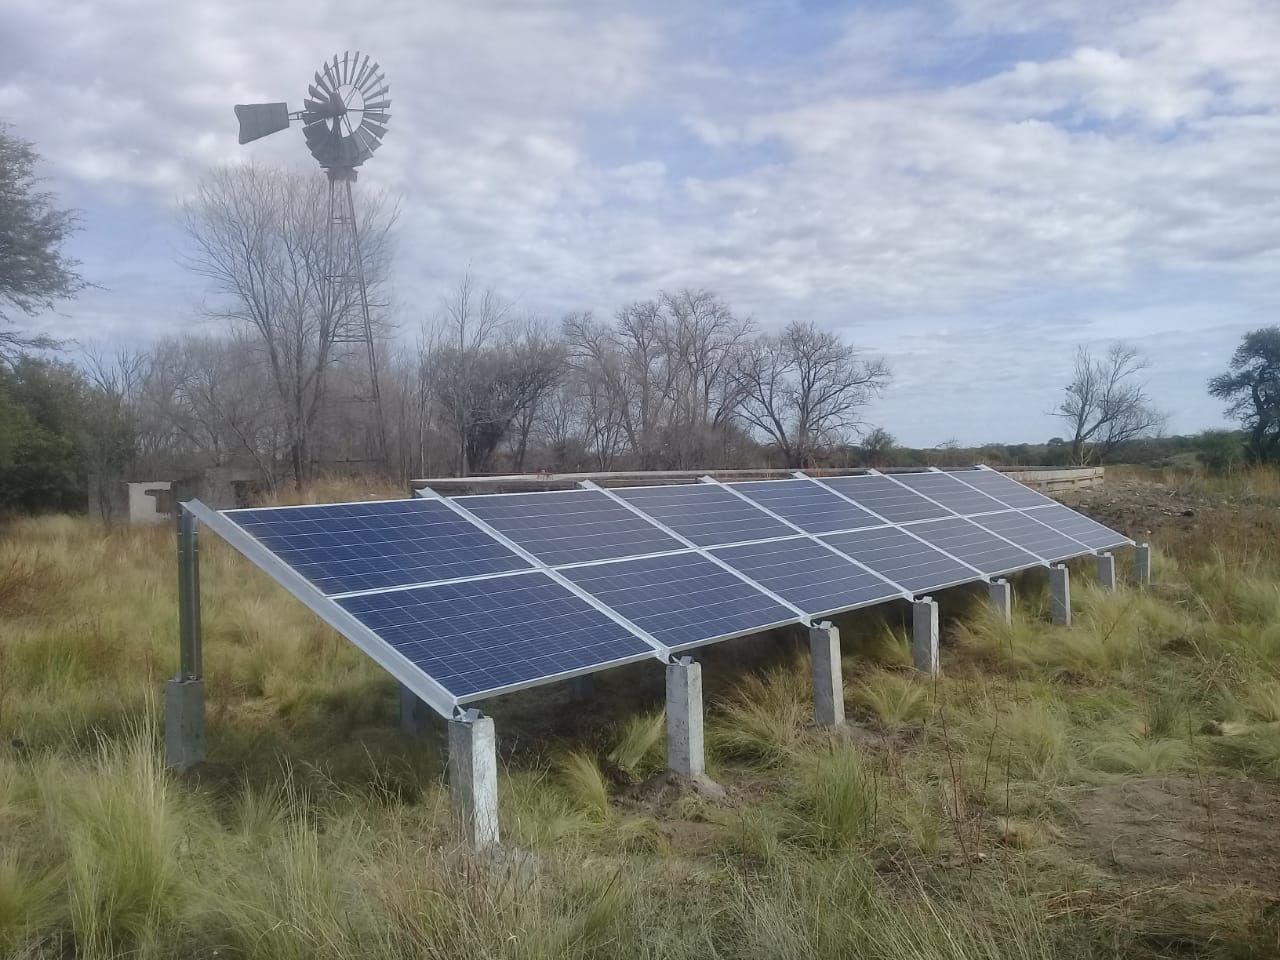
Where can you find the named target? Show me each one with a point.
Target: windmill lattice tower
(344, 119)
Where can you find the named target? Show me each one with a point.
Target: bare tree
(1106, 402)
(471, 317)
(258, 238)
(537, 359)
(804, 389)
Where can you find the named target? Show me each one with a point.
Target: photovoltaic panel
(707, 514)
(974, 545)
(1077, 526)
(482, 636)
(570, 526)
(1032, 535)
(897, 556)
(1002, 488)
(809, 506)
(367, 546)
(888, 499)
(802, 572)
(682, 600)
(949, 492)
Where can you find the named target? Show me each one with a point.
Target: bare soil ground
(1177, 828)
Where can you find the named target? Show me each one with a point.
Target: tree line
(275, 383)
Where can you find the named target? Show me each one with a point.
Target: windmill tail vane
(344, 117)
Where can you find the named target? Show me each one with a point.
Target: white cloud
(971, 189)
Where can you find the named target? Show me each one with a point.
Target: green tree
(1252, 389)
(42, 409)
(35, 273)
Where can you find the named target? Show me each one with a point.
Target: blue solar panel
(368, 546)
(485, 635)
(682, 600)
(808, 575)
(882, 496)
(974, 545)
(1032, 535)
(897, 556)
(570, 526)
(811, 507)
(950, 492)
(705, 513)
(1002, 488)
(1077, 526)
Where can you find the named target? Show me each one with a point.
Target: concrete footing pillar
(828, 680)
(409, 715)
(582, 688)
(1143, 557)
(184, 741)
(1060, 595)
(1000, 595)
(924, 635)
(1106, 571)
(686, 754)
(473, 777)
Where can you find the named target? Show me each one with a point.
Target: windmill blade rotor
(375, 76)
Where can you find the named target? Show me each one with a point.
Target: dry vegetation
(1101, 791)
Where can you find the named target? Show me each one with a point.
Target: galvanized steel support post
(184, 694)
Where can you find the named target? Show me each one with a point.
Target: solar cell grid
(806, 574)
(1077, 526)
(897, 556)
(368, 546)
(950, 492)
(1032, 535)
(682, 600)
(704, 513)
(974, 545)
(570, 526)
(1002, 488)
(808, 505)
(482, 636)
(882, 496)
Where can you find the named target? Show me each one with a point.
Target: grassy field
(1105, 790)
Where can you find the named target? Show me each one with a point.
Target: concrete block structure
(1060, 595)
(473, 777)
(1000, 595)
(1106, 571)
(686, 751)
(828, 679)
(924, 635)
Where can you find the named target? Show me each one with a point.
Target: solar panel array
(467, 598)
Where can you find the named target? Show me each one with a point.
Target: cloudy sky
(967, 187)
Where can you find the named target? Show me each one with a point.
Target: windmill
(344, 119)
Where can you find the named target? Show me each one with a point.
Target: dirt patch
(1181, 828)
(1167, 514)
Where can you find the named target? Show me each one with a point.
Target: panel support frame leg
(473, 778)
(924, 636)
(1142, 559)
(828, 678)
(686, 747)
(1000, 596)
(1060, 594)
(184, 710)
(410, 711)
(1107, 571)
(581, 688)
